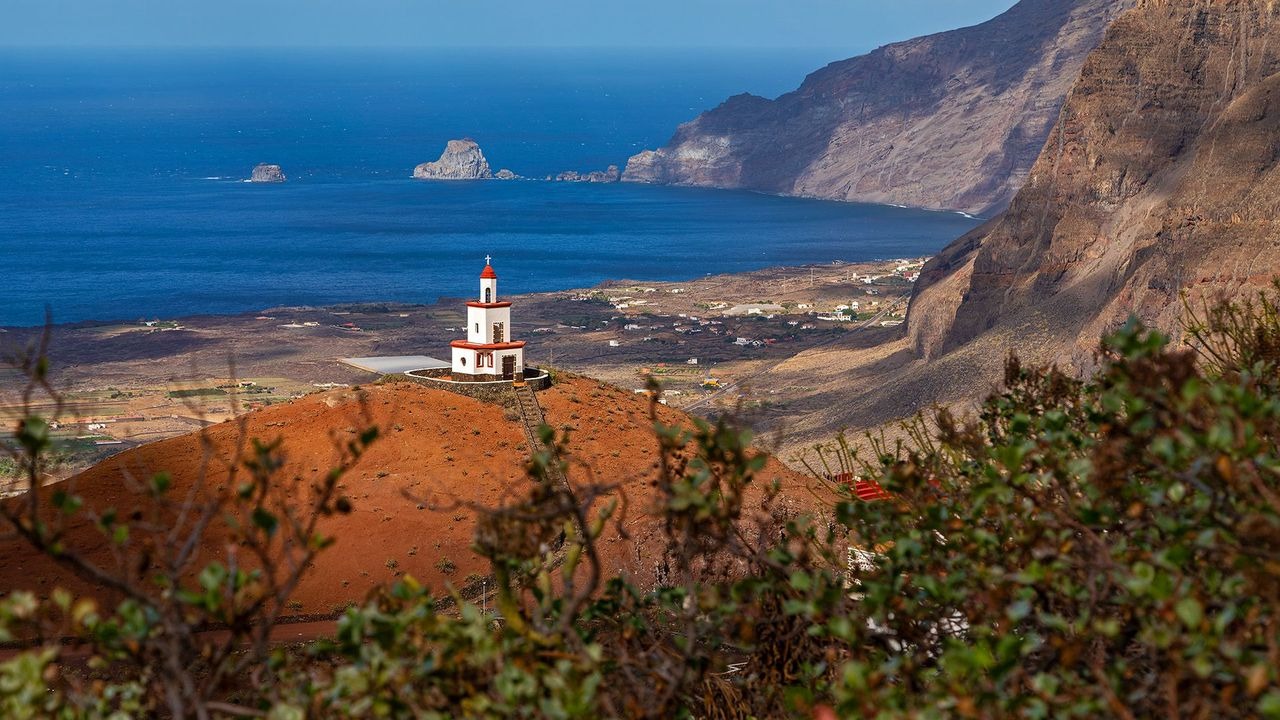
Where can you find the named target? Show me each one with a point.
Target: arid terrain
(1160, 179)
(1156, 181)
(715, 343)
(413, 493)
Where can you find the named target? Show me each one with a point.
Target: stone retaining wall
(495, 392)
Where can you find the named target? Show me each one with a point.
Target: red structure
(864, 490)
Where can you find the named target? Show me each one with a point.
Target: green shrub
(1097, 548)
(197, 392)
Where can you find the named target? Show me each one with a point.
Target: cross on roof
(487, 259)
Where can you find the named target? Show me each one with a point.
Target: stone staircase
(531, 418)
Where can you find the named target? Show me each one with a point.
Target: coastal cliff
(949, 121)
(1162, 176)
(461, 160)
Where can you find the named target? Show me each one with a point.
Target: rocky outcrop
(949, 121)
(505, 174)
(461, 160)
(611, 175)
(1161, 176)
(264, 173)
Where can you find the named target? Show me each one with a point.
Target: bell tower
(488, 283)
(488, 354)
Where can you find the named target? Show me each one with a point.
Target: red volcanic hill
(438, 452)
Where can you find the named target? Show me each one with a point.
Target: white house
(488, 353)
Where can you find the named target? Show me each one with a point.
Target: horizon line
(499, 48)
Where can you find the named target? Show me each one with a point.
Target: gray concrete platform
(394, 364)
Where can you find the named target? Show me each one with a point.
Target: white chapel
(488, 353)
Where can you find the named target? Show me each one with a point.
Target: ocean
(122, 193)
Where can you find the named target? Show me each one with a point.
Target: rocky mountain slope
(948, 121)
(438, 454)
(1161, 176)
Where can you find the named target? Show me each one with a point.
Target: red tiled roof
(864, 490)
(488, 273)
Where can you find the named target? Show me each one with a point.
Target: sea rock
(505, 174)
(611, 175)
(461, 160)
(950, 121)
(264, 173)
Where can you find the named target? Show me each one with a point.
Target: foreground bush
(1078, 549)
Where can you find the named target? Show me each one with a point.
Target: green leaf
(265, 520)
(160, 483)
(1143, 576)
(1269, 705)
(66, 502)
(1018, 610)
(1189, 611)
(33, 434)
(212, 576)
(284, 711)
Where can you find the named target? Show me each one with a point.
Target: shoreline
(365, 305)
(715, 343)
(405, 242)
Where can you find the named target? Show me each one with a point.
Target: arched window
(463, 360)
(488, 295)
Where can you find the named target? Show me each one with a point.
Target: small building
(754, 309)
(488, 353)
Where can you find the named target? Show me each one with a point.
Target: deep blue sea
(121, 192)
